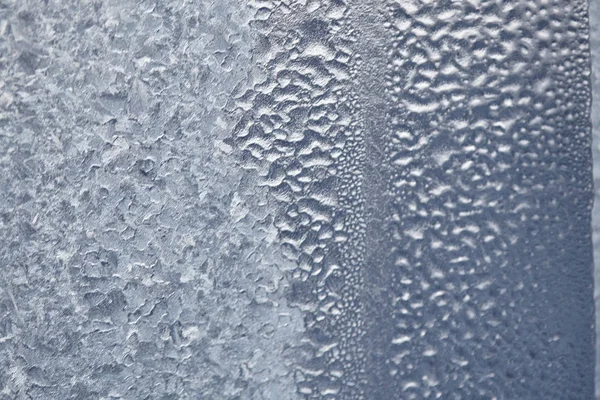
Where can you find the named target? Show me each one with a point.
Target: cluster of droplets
(299, 133)
(484, 121)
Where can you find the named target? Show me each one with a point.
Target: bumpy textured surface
(295, 199)
(137, 258)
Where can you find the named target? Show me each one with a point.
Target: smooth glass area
(594, 12)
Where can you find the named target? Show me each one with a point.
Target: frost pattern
(137, 261)
(279, 199)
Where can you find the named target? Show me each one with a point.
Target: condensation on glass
(296, 199)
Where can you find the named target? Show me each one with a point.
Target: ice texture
(432, 164)
(295, 199)
(137, 258)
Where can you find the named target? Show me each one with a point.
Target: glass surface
(296, 199)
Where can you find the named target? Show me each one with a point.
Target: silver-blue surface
(296, 199)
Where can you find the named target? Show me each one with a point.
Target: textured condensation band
(295, 199)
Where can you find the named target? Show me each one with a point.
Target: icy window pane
(296, 199)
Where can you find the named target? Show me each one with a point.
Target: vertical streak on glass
(594, 17)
